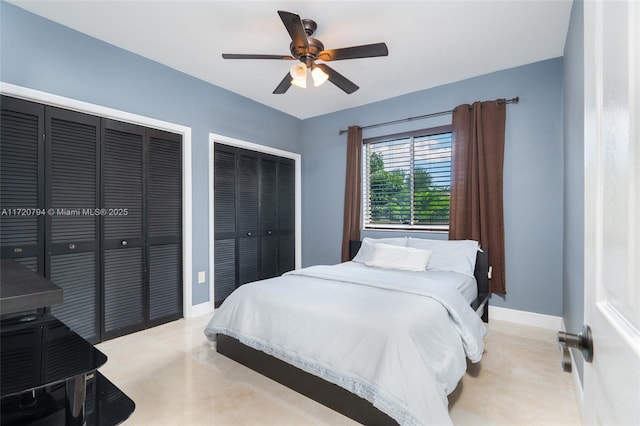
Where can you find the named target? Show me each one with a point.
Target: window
(407, 180)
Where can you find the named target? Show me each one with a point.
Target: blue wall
(533, 174)
(39, 54)
(573, 291)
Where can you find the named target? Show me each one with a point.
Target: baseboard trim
(201, 309)
(532, 319)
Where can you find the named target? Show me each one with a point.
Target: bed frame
(326, 393)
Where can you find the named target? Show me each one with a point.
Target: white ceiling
(430, 42)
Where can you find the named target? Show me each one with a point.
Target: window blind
(407, 179)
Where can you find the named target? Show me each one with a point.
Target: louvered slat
(123, 289)
(165, 187)
(268, 194)
(76, 274)
(29, 262)
(224, 191)
(165, 282)
(248, 260)
(21, 128)
(287, 250)
(286, 195)
(268, 256)
(72, 175)
(224, 252)
(122, 183)
(247, 193)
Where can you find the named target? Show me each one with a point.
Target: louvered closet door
(224, 222)
(72, 233)
(21, 182)
(269, 234)
(286, 215)
(247, 228)
(124, 296)
(164, 237)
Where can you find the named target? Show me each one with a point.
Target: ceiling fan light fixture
(318, 76)
(298, 74)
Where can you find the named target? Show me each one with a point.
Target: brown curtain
(476, 181)
(352, 190)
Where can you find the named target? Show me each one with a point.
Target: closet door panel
(268, 216)
(124, 301)
(225, 273)
(124, 297)
(164, 237)
(72, 233)
(248, 200)
(286, 215)
(248, 209)
(21, 182)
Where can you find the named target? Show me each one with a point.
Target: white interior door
(612, 211)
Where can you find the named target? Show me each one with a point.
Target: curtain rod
(420, 117)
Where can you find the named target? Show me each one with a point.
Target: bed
(377, 339)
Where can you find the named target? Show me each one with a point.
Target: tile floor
(175, 377)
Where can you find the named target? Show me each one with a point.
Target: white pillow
(365, 252)
(449, 255)
(402, 258)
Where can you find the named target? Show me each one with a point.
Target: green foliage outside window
(389, 194)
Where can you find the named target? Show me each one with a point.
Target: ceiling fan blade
(364, 51)
(284, 85)
(338, 79)
(294, 26)
(250, 56)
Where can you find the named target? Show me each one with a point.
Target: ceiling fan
(307, 50)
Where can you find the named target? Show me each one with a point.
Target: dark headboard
(481, 272)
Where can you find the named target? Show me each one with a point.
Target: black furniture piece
(48, 373)
(320, 390)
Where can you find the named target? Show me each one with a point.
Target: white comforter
(397, 339)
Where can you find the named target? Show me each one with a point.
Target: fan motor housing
(315, 47)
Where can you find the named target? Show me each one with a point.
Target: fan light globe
(319, 76)
(298, 74)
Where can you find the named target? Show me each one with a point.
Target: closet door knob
(249, 234)
(72, 246)
(124, 243)
(269, 232)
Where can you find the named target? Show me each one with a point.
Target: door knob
(581, 341)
